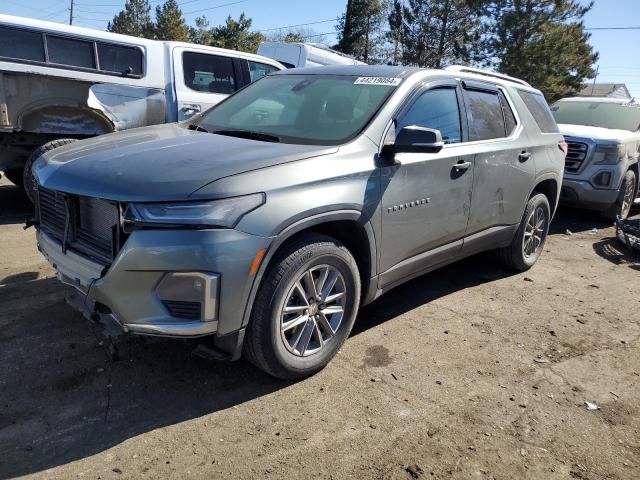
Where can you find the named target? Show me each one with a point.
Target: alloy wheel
(534, 233)
(313, 310)
(627, 200)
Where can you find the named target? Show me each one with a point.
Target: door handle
(462, 166)
(190, 108)
(524, 156)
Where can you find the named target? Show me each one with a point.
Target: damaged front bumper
(86, 276)
(171, 283)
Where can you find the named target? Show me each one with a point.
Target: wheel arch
(549, 187)
(346, 226)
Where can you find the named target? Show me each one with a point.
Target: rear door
(504, 168)
(203, 79)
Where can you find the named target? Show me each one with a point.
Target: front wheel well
(351, 234)
(549, 188)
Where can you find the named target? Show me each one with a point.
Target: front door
(426, 196)
(202, 80)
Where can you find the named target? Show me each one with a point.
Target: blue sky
(619, 61)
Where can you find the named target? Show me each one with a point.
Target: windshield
(598, 114)
(301, 109)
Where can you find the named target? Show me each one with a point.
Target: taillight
(564, 146)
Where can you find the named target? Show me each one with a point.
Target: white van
(298, 55)
(60, 83)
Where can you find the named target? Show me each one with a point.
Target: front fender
(296, 226)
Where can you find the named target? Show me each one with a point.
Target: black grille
(188, 310)
(53, 212)
(93, 224)
(576, 154)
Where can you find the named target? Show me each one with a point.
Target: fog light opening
(189, 295)
(603, 179)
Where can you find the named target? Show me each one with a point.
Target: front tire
(28, 181)
(626, 196)
(305, 308)
(528, 243)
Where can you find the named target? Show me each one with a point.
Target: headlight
(217, 213)
(609, 154)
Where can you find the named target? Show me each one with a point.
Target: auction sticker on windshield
(385, 81)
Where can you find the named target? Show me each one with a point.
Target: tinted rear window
(538, 107)
(21, 44)
(208, 73)
(119, 59)
(72, 52)
(485, 116)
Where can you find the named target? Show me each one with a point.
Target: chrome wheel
(534, 233)
(627, 200)
(313, 310)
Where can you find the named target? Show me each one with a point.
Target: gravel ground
(468, 372)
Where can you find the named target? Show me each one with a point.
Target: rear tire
(28, 180)
(528, 243)
(291, 336)
(626, 196)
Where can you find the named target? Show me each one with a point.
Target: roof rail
(487, 73)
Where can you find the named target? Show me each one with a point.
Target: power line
(54, 14)
(613, 28)
(299, 25)
(217, 6)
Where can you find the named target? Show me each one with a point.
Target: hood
(598, 134)
(159, 163)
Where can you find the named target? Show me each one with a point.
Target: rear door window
(437, 109)
(208, 73)
(21, 44)
(540, 111)
(484, 113)
(72, 52)
(257, 70)
(119, 59)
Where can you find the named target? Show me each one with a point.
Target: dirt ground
(468, 372)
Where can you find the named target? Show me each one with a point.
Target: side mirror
(413, 139)
(419, 139)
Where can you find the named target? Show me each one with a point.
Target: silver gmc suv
(603, 137)
(267, 221)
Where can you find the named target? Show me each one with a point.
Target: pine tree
(540, 41)
(201, 33)
(134, 19)
(236, 35)
(170, 24)
(360, 28)
(434, 33)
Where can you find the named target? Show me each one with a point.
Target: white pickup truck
(601, 168)
(60, 83)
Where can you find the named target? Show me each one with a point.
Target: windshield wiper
(198, 128)
(251, 135)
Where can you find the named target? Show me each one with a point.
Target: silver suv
(603, 137)
(268, 220)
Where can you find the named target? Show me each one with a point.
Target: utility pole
(71, 13)
(594, 80)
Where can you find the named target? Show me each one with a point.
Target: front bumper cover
(124, 295)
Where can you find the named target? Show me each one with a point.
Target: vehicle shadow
(15, 207)
(614, 251)
(576, 221)
(64, 397)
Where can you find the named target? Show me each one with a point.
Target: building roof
(604, 90)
